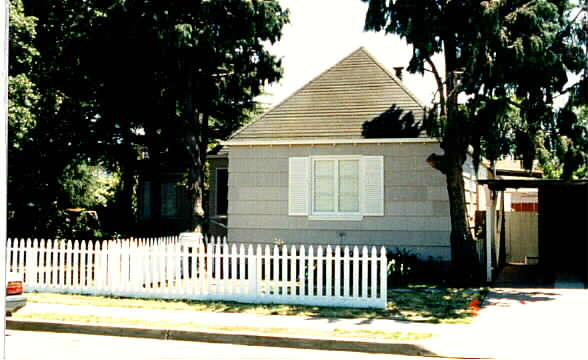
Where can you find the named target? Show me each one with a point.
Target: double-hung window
(336, 187)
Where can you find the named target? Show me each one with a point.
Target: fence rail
(208, 269)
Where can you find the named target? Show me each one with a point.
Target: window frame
(337, 214)
(217, 192)
(173, 201)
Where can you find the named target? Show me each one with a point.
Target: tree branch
(439, 83)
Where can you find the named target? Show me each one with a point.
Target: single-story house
(304, 173)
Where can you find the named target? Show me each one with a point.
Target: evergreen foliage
(507, 60)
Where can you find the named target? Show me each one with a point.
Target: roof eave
(330, 141)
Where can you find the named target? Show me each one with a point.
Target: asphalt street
(24, 345)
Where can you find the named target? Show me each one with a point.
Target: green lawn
(446, 305)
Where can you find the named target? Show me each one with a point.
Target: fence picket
(203, 273)
(383, 276)
(32, 266)
(319, 271)
(284, 271)
(302, 270)
(54, 264)
(275, 290)
(233, 280)
(83, 270)
(292, 282)
(43, 264)
(75, 269)
(337, 285)
(364, 272)
(329, 275)
(241, 256)
(311, 271)
(267, 273)
(255, 272)
(226, 280)
(374, 273)
(346, 276)
(355, 283)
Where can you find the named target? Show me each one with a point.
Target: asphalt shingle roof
(335, 104)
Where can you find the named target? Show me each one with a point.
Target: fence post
(302, 270)
(252, 285)
(319, 271)
(383, 279)
(355, 283)
(31, 268)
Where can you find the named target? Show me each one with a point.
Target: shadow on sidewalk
(506, 296)
(520, 283)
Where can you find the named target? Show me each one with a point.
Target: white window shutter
(373, 185)
(298, 186)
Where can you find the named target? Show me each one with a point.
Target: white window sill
(336, 217)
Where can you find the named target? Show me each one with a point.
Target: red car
(15, 298)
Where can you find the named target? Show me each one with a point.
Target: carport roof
(502, 184)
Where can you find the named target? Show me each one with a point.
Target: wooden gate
(522, 242)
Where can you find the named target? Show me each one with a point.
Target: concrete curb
(365, 346)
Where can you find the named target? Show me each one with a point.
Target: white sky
(322, 32)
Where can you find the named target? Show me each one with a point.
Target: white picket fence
(170, 268)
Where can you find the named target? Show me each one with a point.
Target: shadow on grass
(441, 305)
(421, 305)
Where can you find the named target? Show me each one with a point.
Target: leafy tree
(23, 95)
(562, 147)
(52, 107)
(494, 51)
(87, 186)
(184, 73)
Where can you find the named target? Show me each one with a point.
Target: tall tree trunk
(196, 180)
(460, 237)
(125, 207)
(197, 145)
(195, 127)
(455, 144)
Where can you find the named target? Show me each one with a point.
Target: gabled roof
(335, 104)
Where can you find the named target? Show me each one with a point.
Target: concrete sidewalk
(513, 324)
(535, 323)
(437, 346)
